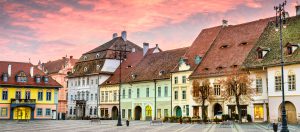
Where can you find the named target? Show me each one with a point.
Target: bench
(156, 122)
(97, 120)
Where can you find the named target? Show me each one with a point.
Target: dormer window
(219, 68)
(261, 52)
(224, 46)
(129, 66)
(244, 43)
(5, 77)
(85, 58)
(98, 67)
(181, 61)
(291, 48)
(46, 79)
(21, 77)
(133, 76)
(85, 69)
(198, 59)
(97, 55)
(108, 82)
(37, 78)
(161, 72)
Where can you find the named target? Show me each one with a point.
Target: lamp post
(280, 21)
(122, 55)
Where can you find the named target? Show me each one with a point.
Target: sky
(51, 29)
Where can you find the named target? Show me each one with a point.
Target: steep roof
(200, 46)
(57, 65)
(152, 65)
(16, 68)
(230, 48)
(126, 67)
(98, 55)
(270, 40)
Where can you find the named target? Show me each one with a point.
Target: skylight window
(244, 43)
(224, 46)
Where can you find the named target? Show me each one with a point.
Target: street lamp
(280, 21)
(122, 55)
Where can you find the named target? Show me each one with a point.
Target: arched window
(21, 77)
(148, 110)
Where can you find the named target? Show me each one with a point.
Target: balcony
(23, 101)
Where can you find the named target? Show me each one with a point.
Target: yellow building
(26, 92)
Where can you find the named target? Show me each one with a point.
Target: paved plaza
(135, 126)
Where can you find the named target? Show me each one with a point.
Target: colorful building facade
(26, 92)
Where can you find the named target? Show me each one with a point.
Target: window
(5, 77)
(79, 82)
(198, 59)
(48, 112)
(278, 83)
(106, 96)
(123, 96)
(4, 94)
(38, 79)
(87, 96)
(147, 92)
(96, 96)
(85, 70)
(92, 97)
(18, 94)
(74, 111)
(166, 113)
(48, 96)
(46, 79)
(183, 94)
(3, 112)
(183, 79)
(159, 91)
(92, 82)
(78, 95)
(71, 98)
(40, 95)
(166, 91)
(148, 111)
(39, 112)
(176, 80)
(75, 97)
(129, 113)
(83, 95)
(123, 113)
(176, 95)
(217, 89)
(290, 50)
(27, 94)
(259, 85)
(259, 54)
(137, 93)
(292, 82)
(71, 112)
(102, 96)
(91, 111)
(129, 93)
(115, 95)
(87, 81)
(83, 82)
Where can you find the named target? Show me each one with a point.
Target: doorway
(137, 113)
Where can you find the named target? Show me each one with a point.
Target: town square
(150, 65)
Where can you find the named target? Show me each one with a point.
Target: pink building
(58, 70)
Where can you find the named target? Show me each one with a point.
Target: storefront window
(258, 112)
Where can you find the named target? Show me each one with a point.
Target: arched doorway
(178, 111)
(217, 109)
(291, 114)
(114, 113)
(22, 113)
(148, 113)
(137, 113)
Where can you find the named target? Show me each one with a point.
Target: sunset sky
(50, 29)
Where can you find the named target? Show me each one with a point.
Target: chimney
(71, 57)
(9, 70)
(298, 10)
(224, 23)
(124, 35)
(31, 71)
(145, 48)
(115, 35)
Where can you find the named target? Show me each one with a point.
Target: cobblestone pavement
(135, 126)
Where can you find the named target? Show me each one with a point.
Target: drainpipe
(154, 99)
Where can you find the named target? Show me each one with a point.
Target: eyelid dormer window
(224, 46)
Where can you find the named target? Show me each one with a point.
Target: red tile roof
(200, 46)
(230, 48)
(16, 68)
(127, 66)
(57, 65)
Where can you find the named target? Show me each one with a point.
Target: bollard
(275, 127)
(127, 122)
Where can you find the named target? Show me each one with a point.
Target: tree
(201, 93)
(237, 86)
